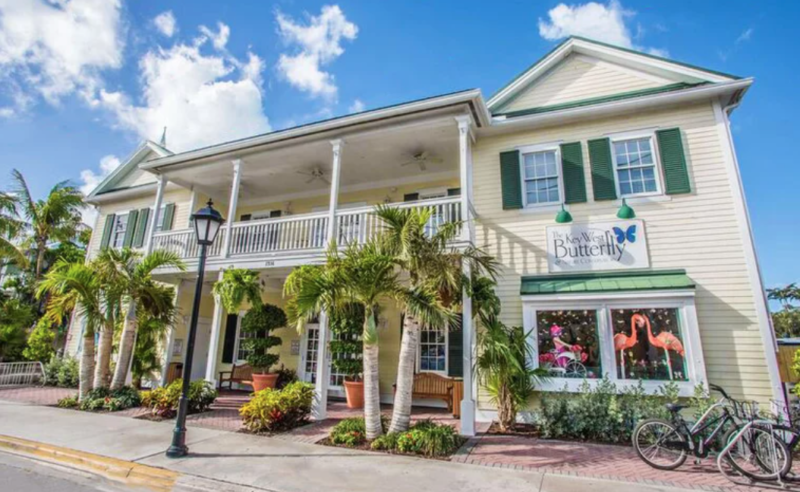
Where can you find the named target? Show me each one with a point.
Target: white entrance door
(308, 362)
(201, 343)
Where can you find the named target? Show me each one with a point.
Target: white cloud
(53, 48)
(218, 39)
(318, 43)
(745, 35)
(606, 23)
(357, 106)
(89, 181)
(202, 98)
(165, 23)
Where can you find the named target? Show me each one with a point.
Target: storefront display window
(568, 342)
(648, 344)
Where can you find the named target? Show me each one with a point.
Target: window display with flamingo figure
(568, 343)
(648, 344)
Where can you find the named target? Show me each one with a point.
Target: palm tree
(127, 276)
(10, 228)
(151, 329)
(365, 276)
(76, 287)
(56, 218)
(424, 253)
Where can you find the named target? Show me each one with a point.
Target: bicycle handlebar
(719, 390)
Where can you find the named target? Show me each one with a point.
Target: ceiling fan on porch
(422, 159)
(316, 174)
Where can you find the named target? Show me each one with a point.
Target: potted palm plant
(346, 351)
(257, 327)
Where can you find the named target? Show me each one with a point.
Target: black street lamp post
(207, 223)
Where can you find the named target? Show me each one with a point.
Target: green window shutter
(107, 230)
(229, 343)
(411, 197)
(141, 228)
(572, 173)
(275, 214)
(133, 215)
(603, 183)
(511, 180)
(246, 217)
(673, 160)
(169, 214)
(455, 352)
(453, 191)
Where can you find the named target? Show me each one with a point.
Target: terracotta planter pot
(264, 381)
(355, 394)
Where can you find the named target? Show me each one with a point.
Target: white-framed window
(652, 338)
(240, 351)
(160, 223)
(432, 353)
(118, 232)
(635, 160)
(432, 193)
(541, 175)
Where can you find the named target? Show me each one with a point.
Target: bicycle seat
(675, 407)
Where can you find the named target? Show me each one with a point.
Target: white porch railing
(296, 233)
(304, 232)
(360, 224)
(184, 243)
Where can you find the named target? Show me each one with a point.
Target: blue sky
(76, 98)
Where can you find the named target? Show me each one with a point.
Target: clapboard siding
(576, 78)
(698, 232)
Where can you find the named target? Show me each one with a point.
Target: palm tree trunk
(401, 413)
(126, 344)
(101, 370)
(87, 364)
(372, 396)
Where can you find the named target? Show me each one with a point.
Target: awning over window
(606, 282)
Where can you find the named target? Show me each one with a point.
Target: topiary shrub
(346, 344)
(273, 410)
(163, 402)
(259, 323)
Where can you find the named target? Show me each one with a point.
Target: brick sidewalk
(590, 460)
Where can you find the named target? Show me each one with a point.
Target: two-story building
(604, 180)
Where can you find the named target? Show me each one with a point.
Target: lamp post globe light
(207, 223)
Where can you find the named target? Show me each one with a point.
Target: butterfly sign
(628, 235)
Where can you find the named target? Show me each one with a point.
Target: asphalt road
(19, 474)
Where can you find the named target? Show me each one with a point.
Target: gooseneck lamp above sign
(563, 217)
(207, 223)
(625, 212)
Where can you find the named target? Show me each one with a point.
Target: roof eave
(135, 157)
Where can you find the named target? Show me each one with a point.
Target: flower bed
(276, 410)
(425, 438)
(163, 402)
(104, 399)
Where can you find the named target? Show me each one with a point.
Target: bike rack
(749, 481)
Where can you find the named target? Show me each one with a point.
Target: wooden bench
(433, 386)
(242, 374)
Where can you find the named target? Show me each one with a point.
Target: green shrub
(272, 410)
(112, 401)
(286, 376)
(350, 432)
(68, 402)
(601, 413)
(62, 372)
(260, 322)
(163, 401)
(40, 342)
(429, 439)
(346, 345)
(386, 442)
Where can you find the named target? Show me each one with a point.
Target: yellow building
(648, 272)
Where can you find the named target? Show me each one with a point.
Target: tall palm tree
(152, 327)
(366, 276)
(128, 275)
(76, 287)
(423, 252)
(56, 218)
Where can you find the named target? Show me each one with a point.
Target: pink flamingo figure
(666, 341)
(623, 342)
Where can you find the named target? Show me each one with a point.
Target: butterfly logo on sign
(628, 235)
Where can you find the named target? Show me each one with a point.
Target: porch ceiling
(367, 158)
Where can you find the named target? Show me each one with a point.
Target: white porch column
(465, 172)
(213, 342)
(162, 184)
(231, 218)
(170, 339)
(468, 403)
(335, 178)
(323, 376)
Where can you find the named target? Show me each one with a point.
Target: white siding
(697, 232)
(577, 78)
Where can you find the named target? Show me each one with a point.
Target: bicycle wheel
(758, 454)
(659, 444)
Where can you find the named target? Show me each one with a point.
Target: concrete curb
(127, 472)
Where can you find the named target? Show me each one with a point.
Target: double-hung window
(635, 166)
(432, 349)
(118, 232)
(540, 177)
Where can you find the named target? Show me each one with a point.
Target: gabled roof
(138, 156)
(655, 65)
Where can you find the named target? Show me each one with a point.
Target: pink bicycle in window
(564, 360)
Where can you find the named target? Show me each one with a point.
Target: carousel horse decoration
(623, 342)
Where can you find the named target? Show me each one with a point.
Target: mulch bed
(368, 447)
(522, 430)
